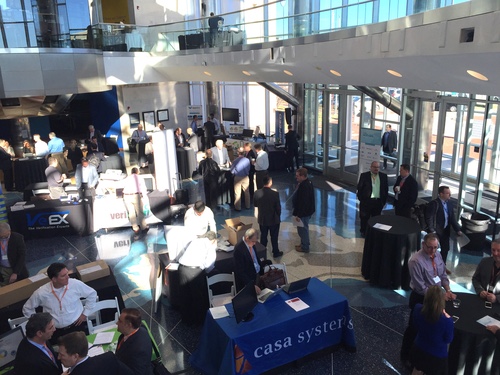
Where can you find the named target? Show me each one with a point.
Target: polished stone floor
(379, 315)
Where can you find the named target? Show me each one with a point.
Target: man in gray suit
(219, 154)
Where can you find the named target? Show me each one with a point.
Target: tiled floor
(379, 315)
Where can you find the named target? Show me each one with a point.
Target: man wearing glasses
(426, 269)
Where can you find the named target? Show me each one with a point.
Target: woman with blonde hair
(434, 326)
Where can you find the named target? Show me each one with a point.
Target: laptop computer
(296, 286)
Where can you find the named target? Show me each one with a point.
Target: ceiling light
(394, 73)
(477, 75)
(207, 74)
(318, 68)
(335, 73)
(288, 72)
(246, 73)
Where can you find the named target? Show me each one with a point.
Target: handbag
(272, 279)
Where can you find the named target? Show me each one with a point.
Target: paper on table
(297, 304)
(172, 266)
(297, 222)
(103, 338)
(488, 321)
(96, 350)
(219, 312)
(38, 276)
(382, 226)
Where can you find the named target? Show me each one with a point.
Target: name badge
(4, 257)
(437, 279)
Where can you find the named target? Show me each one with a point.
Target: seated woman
(486, 279)
(429, 353)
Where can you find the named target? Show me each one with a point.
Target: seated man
(13, 263)
(73, 353)
(486, 279)
(247, 265)
(199, 219)
(134, 344)
(61, 298)
(35, 351)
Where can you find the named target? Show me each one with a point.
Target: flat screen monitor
(244, 302)
(9, 342)
(231, 114)
(247, 133)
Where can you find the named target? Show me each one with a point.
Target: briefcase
(272, 279)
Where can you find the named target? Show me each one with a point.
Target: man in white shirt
(195, 261)
(61, 298)
(199, 218)
(135, 196)
(41, 147)
(86, 178)
(261, 166)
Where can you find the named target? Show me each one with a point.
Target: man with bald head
(372, 191)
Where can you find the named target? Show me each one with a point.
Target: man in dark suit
(180, 139)
(247, 265)
(267, 202)
(250, 155)
(73, 353)
(34, 353)
(134, 344)
(439, 217)
(93, 132)
(372, 191)
(292, 148)
(406, 192)
(389, 143)
(13, 268)
(209, 133)
(6, 167)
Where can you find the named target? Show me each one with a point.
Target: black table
(52, 218)
(386, 253)
(277, 158)
(474, 350)
(106, 288)
(27, 171)
(223, 264)
(186, 161)
(226, 187)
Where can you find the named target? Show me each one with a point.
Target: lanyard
(55, 295)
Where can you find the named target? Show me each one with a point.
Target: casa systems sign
(47, 220)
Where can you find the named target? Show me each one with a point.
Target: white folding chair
(103, 305)
(18, 322)
(281, 266)
(221, 299)
(95, 316)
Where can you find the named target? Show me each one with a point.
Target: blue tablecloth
(276, 335)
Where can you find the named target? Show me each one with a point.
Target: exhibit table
(387, 250)
(474, 350)
(277, 334)
(29, 170)
(52, 218)
(110, 212)
(105, 287)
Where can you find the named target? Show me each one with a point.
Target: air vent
(467, 35)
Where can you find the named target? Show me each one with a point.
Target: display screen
(231, 114)
(244, 302)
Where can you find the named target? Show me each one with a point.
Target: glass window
(78, 14)
(16, 37)
(12, 11)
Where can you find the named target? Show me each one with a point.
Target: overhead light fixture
(208, 74)
(335, 73)
(246, 73)
(288, 72)
(394, 73)
(318, 68)
(477, 75)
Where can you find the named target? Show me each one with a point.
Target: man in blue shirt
(56, 147)
(240, 170)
